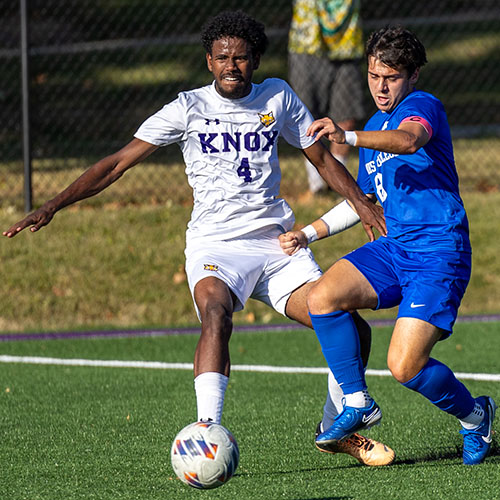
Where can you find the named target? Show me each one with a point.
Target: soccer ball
(204, 455)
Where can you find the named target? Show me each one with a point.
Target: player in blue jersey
(422, 265)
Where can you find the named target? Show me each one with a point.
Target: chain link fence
(95, 69)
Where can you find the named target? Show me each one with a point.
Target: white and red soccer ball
(204, 455)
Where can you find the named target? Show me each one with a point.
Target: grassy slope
(123, 266)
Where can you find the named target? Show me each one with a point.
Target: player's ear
(256, 61)
(414, 77)
(209, 62)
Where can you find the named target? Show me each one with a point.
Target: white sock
(334, 403)
(474, 418)
(210, 388)
(360, 399)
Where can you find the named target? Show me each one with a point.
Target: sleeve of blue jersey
(420, 104)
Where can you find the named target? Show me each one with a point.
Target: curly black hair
(397, 48)
(235, 24)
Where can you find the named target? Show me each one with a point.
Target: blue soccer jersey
(419, 192)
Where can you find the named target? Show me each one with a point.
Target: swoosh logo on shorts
(413, 305)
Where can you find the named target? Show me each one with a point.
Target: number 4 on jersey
(244, 170)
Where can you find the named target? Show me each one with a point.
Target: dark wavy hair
(397, 48)
(235, 24)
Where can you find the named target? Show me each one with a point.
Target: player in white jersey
(231, 155)
(228, 132)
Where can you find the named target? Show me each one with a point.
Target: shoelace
(360, 442)
(473, 440)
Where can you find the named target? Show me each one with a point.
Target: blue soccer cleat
(477, 441)
(348, 422)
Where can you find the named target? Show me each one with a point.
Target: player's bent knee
(401, 369)
(216, 318)
(399, 374)
(321, 300)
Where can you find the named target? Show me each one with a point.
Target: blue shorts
(426, 285)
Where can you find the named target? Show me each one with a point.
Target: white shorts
(252, 266)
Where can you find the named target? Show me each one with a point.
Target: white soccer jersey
(230, 148)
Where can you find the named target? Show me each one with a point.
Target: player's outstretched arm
(336, 220)
(98, 177)
(408, 138)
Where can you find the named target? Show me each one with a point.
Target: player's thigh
(433, 285)
(281, 285)
(228, 262)
(342, 288)
(296, 306)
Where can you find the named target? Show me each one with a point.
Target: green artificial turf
(71, 432)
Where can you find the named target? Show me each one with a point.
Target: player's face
(232, 64)
(388, 86)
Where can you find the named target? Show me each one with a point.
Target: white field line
(158, 365)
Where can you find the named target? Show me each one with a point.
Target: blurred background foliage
(98, 68)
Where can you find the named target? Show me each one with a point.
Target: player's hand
(326, 127)
(292, 241)
(36, 220)
(372, 216)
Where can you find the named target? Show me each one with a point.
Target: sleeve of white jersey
(166, 126)
(297, 121)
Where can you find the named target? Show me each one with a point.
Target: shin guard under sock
(339, 342)
(440, 386)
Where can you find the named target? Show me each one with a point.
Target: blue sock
(339, 340)
(440, 386)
